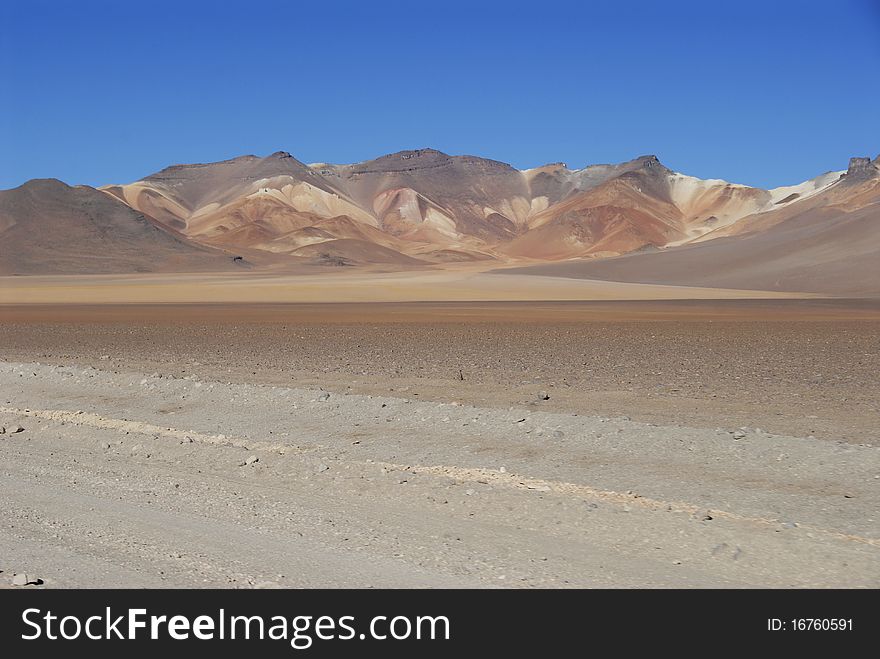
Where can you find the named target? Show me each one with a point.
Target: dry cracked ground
(173, 470)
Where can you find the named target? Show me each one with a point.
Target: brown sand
(453, 283)
(803, 367)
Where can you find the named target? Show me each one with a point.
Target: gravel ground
(799, 377)
(121, 477)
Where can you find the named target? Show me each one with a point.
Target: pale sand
(442, 285)
(124, 479)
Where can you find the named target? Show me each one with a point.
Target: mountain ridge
(423, 206)
(424, 197)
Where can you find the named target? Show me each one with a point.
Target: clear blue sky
(759, 92)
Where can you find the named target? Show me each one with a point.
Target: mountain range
(633, 221)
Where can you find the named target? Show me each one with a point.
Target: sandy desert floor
(452, 283)
(449, 443)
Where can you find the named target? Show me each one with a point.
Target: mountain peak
(649, 161)
(647, 165)
(861, 168)
(44, 184)
(411, 159)
(417, 153)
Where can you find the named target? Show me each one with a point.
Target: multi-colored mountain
(634, 221)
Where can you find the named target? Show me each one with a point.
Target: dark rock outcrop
(861, 169)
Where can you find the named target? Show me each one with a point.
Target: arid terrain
(631, 443)
(421, 210)
(428, 370)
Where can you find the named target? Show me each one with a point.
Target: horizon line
(313, 165)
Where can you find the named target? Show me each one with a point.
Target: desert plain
(433, 370)
(458, 426)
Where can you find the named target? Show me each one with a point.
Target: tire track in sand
(465, 474)
(78, 417)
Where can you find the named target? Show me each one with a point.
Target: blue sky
(764, 93)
